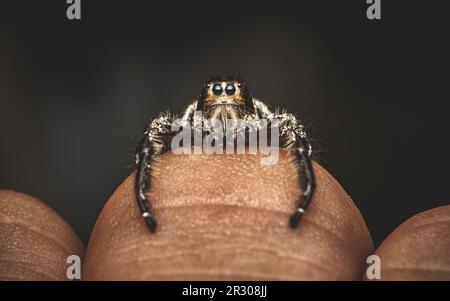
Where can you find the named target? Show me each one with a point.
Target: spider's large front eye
(217, 89)
(230, 89)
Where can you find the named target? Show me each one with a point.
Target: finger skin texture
(34, 240)
(226, 217)
(419, 249)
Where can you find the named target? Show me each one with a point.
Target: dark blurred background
(75, 95)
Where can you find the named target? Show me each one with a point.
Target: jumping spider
(224, 98)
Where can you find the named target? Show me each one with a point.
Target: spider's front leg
(293, 138)
(156, 141)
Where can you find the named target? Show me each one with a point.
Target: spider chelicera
(224, 98)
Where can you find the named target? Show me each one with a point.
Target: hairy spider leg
(301, 150)
(294, 139)
(153, 144)
(156, 141)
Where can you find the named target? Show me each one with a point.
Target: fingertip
(418, 249)
(228, 217)
(35, 241)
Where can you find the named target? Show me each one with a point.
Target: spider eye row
(230, 89)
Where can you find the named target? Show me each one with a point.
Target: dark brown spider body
(223, 99)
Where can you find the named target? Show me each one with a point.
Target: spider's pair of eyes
(230, 89)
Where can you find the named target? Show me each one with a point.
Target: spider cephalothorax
(223, 99)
